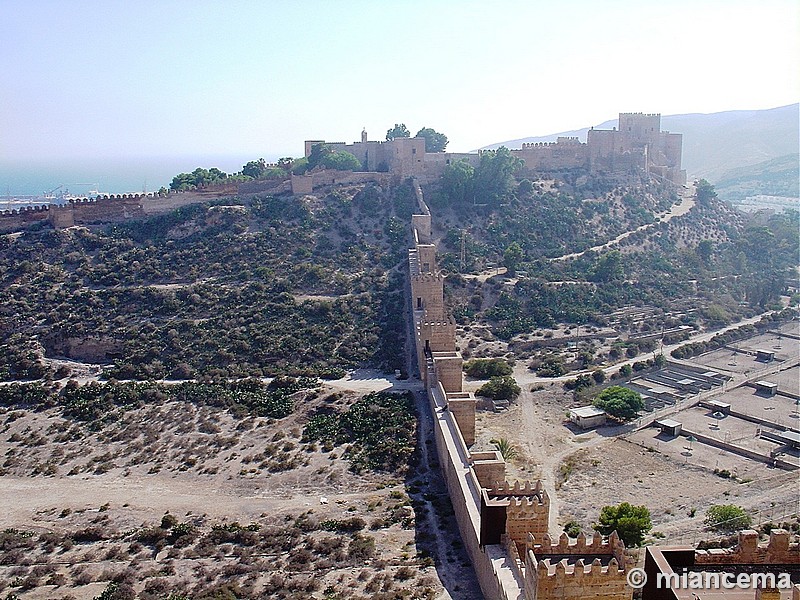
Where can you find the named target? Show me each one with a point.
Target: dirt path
(687, 197)
(41, 499)
(534, 425)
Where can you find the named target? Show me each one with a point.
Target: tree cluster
(630, 522)
(490, 183)
(378, 431)
(672, 266)
(100, 403)
(322, 155)
(502, 387)
(485, 368)
(198, 178)
(434, 141)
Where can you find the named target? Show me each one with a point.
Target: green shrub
(485, 368)
(500, 388)
(727, 518)
(620, 402)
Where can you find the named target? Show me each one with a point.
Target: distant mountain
(716, 143)
(776, 177)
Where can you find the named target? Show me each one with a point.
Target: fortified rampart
(572, 571)
(564, 153)
(496, 518)
(778, 551)
(82, 211)
(638, 143)
(779, 556)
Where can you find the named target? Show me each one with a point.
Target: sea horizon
(27, 182)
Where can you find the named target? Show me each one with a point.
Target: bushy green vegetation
(727, 518)
(201, 177)
(630, 522)
(506, 449)
(485, 368)
(620, 402)
(254, 169)
(379, 431)
(271, 286)
(99, 403)
(322, 155)
(398, 131)
(551, 365)
(500, 388)
(718, 264)
(490, 183)
(434, 141)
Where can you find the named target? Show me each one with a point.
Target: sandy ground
(141, 482)
(39, 501)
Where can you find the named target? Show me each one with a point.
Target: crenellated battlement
(547, 567)
(522, 489)
(444, 322)
(778, 550)
(527, 507)
(581, 545)
(639, 114)
(76, 211)
(428, 277)
(14, 212)
(576, 570)
(559, 143)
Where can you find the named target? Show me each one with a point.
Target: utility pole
(463, 249)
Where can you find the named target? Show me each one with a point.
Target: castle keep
(504, 526)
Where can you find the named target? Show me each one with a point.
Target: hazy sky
(112, 78)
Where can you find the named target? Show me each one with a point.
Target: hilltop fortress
(638, 144)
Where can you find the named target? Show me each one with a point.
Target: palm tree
(506, 449)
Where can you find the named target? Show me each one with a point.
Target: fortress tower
(568, 571)
(638, 143)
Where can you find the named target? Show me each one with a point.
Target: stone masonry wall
(748, 551)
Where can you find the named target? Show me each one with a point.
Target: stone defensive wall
(123, 207)
(499, 521)
(777, 556)
(778, 551)
(581, 569)
(114, 209)
(306, 184)
(564, 153)
(110, 209)
(80, 211)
